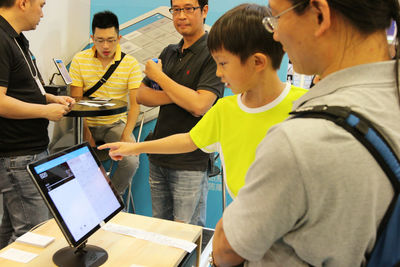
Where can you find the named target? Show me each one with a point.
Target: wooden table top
(122, 250)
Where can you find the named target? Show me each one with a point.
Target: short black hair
(202, 3)
(240, 31)
(7, 3)
(104, 20)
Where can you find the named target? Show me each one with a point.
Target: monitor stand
(82, 256)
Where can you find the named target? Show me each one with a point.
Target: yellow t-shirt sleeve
(206, 132)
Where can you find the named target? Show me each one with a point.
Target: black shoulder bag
(105, 77)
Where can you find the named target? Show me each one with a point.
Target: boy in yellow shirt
(235, 125)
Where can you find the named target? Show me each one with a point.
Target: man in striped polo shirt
(87, 68)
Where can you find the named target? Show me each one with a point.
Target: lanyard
(22, 52)
(34, 76)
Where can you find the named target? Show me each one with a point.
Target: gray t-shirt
(314, 195)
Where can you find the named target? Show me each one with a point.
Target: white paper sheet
(18, 255)
(150, 236)
(35, 239)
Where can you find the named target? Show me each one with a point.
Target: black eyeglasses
(187, 10)
(102, 41)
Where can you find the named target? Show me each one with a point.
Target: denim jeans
(23, 205)
(128, 165)
(178, 195)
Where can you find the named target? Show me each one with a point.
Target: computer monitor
(81, 198)
(62, 70)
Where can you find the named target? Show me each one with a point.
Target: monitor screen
(77, 191)
(63, 70)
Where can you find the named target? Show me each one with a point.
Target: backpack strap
(105, 77)
(365, 132)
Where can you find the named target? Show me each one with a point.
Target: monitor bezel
(50, 204)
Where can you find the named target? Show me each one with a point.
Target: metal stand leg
(129, 197)
(78, 130)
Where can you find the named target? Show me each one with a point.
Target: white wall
(63, 31)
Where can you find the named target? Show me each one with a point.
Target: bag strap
(105, 77)
(365, 132)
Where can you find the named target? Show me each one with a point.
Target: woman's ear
(323, 15)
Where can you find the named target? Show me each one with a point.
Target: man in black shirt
(186, 74)
(25, 109)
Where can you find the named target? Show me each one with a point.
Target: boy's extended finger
(108, 145)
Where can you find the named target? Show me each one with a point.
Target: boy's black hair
(7, 3)
(240, 31)
(104, 20)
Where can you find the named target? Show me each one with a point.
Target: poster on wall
(296, 79)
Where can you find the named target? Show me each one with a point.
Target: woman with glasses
(314, 195)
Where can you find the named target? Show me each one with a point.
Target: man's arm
(132, 117)
(60, 99)
(13, 108)
(76, 91)
(223, 254)
(174, 144)
(151, 98)
(196, 102)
